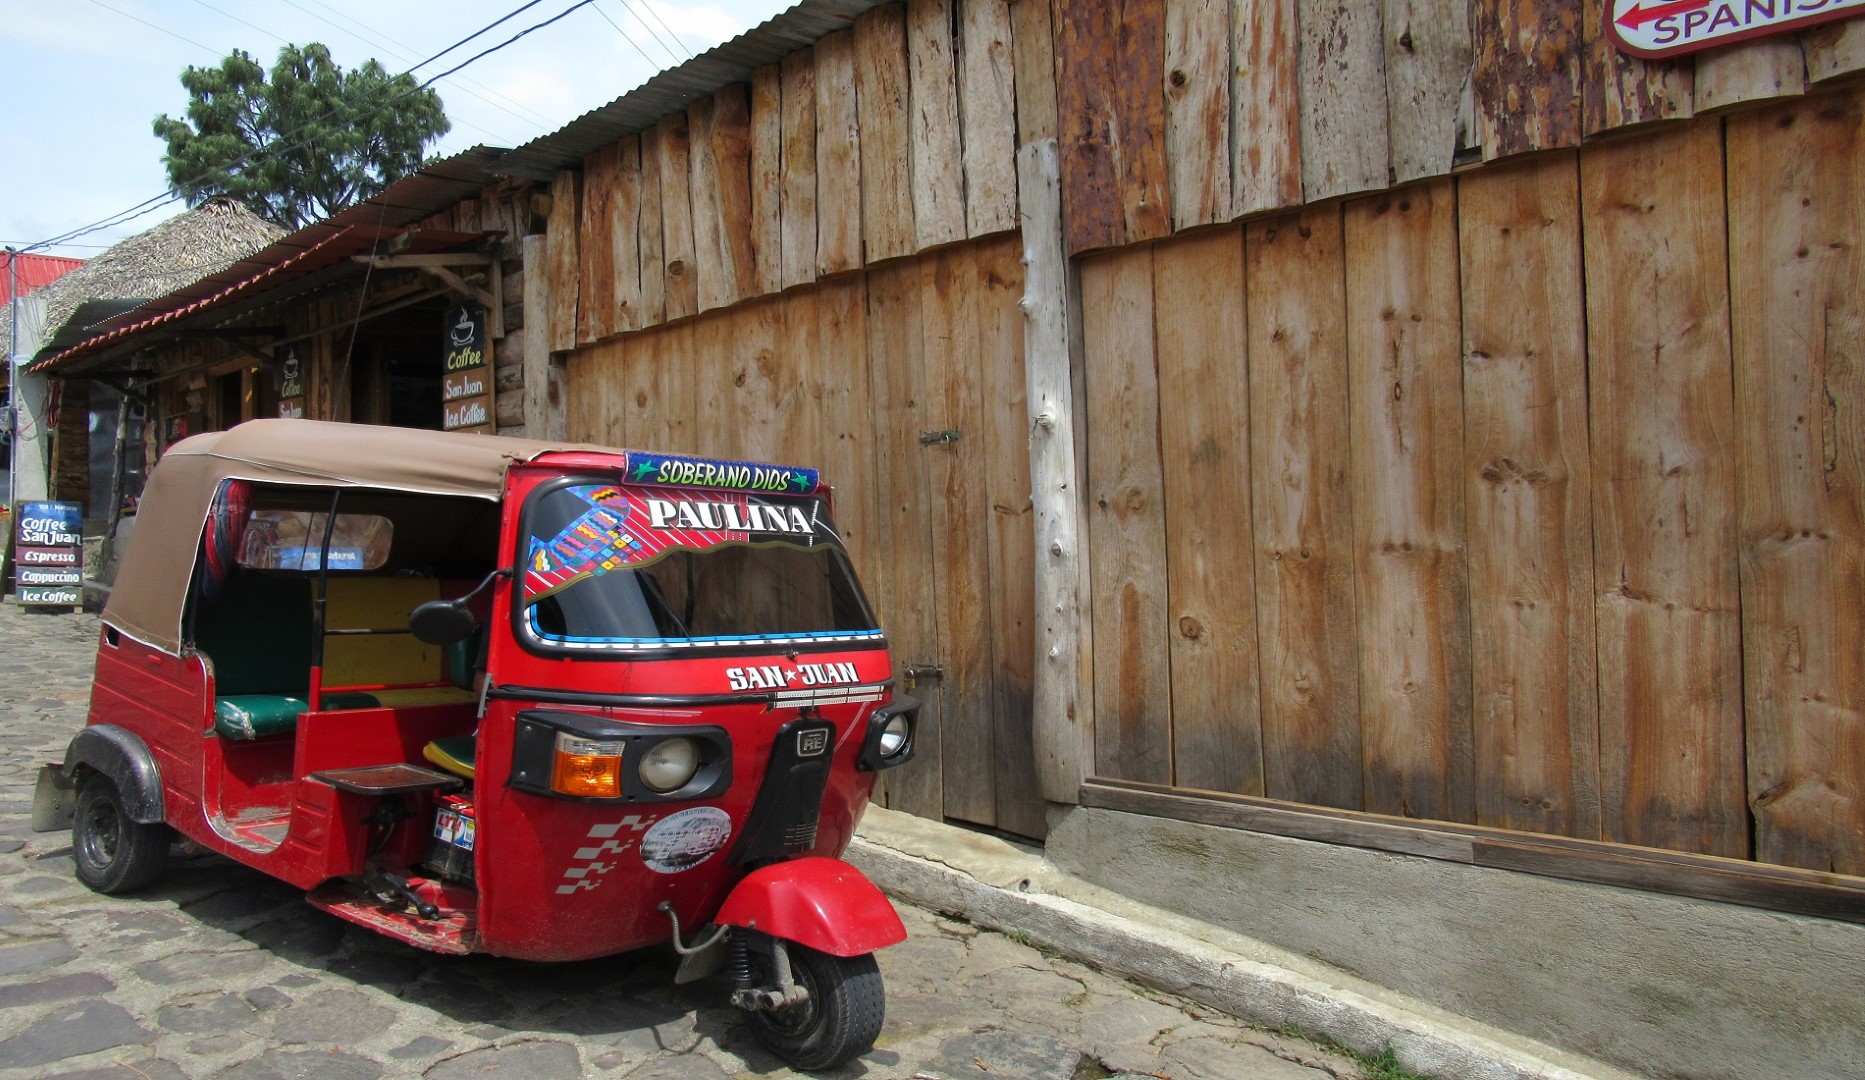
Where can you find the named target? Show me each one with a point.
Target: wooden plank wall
(1530, 498)
(847, 374)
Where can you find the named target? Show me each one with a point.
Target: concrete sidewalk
(1003, 886)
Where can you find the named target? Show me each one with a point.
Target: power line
(276, 148)
(371, 36)
(152, 26)
(657, 18)
(653, 64)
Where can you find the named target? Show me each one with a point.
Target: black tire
(113, 853)
(841, 1019)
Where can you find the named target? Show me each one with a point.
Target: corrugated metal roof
(333, 250)
(32, 271)
(676, 88)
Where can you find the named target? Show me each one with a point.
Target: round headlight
(669, 764)
(893, 736)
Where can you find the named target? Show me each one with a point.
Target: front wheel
(113, 853)
(841, 1019)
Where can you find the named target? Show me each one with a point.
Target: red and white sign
(1658, 28)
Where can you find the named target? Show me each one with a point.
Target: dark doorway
(397, 363)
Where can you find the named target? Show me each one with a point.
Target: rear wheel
(113, 853)
(841, 1019)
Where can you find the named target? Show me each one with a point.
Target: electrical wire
(275, 149)
(152, 26)
(657, 18)
(653, 64)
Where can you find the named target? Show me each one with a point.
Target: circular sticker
(684, 840)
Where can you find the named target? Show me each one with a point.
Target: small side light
(588, 768)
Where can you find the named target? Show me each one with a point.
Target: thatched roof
(174, 254)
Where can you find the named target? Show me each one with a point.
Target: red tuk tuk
(539, 700)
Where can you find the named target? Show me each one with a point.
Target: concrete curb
(1003, 887)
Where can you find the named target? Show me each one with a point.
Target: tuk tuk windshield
(609, 567)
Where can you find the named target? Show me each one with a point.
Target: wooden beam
(536, 340)
(1061, 713)
(1707, 877)
(458, 285)
(439, 258)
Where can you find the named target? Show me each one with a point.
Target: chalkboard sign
(48, 553)
(290, 385)
(466, 378)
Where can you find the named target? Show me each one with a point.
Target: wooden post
(1062, 714)
(536, 339)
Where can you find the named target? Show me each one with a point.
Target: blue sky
(85, 78)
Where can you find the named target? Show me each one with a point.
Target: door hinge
(933, 438)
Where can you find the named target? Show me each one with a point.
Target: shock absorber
(741, 960)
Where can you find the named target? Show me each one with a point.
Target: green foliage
(302, 144)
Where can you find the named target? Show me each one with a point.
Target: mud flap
(704, 963)
(54, 798)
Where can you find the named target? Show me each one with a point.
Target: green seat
(256, 716)
(453, 754)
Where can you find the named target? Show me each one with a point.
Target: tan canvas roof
(152, 585)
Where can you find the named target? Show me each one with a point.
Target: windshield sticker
(684, 840)
(673, 470)
(620, 530)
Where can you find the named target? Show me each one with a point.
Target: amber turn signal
(587, 768)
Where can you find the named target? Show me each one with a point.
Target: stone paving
(222, 972)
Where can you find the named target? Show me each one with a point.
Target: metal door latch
(915, 672)
(933, 438)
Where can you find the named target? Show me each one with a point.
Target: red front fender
(823, 903)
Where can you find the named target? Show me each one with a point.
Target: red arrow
(1638, 16)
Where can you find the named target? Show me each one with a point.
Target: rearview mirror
(442, 622)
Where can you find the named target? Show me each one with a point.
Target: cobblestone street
(222, 972)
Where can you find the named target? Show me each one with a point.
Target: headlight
(889, 739)
(669, 764)
(894, 735)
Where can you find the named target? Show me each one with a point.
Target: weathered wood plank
(1405, 381)
(1005, 421)
(677, 244)
(1750, 72)
(845, 417)
(625, 236)
(670, 416)
(1671, 745)
(956, 471)
(767, 147)
(987, 111)
(537, 343)
(595, 308)
(904, 520)
(709, 285)
(731, 158)
(1301, 508)
(1800, 386)
(1345, 142)
(561, 261)
(886, 132)
(1265, 113)
(1707, 877)
(1035, 68)
(1527, 74)
(1621, 91)
(1197, 89)
(1527, 475)
(1061, 714)
(729, 418)
(937, 175)
(838, 156)
(798, 180)
(653, 252)
(1126, 520)
(1427, 49)
(1834, 50)
(1110, 101)
(1217, 741)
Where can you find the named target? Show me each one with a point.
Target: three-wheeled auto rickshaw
(538, 700)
